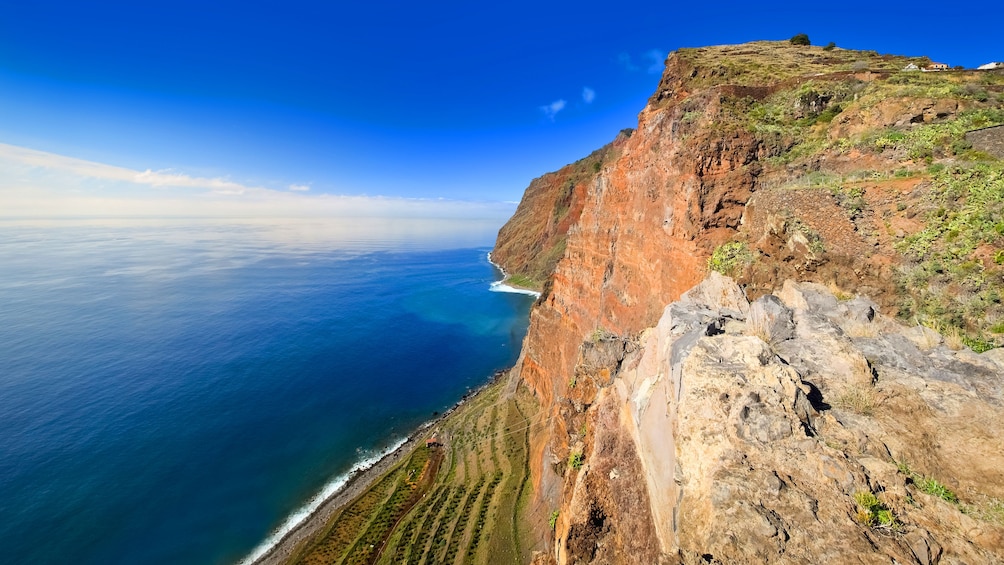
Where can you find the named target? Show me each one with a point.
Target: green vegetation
(600, 333)
(769, 62)
(938, 140)
(522, 281)
(468, 512)
(575, 460)
(953, 279)
(928, 485)
(873, 513)
(800, 39)
(989, 510)
(552, 522)
(850, 198)
(934, 488)
(830, 46)
(730, 258)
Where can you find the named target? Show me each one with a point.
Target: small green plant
(730, 258)
(599, 332)
(928, 485)
(800, 39)
(830, 46)
(933, 487)
(575, 460)
(873, 513)
(572, 382)
(827, 115)
(597, 165)
(553, 520)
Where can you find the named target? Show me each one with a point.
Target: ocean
(174, 391)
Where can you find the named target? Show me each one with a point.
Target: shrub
(575, 460)
(829, 113)
(553, 520)
(874, 514)
(800, 39)
(830, 46)
(730, 258)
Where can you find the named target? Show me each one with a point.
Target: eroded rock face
(646, 226)
(635, 234)
(715, 442)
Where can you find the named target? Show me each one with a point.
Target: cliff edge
(680, 435)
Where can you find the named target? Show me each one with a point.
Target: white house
(990, 66)
(911, 67)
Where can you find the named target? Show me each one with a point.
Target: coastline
(501, 286)
(279, 547)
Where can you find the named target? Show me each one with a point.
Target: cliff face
(530, 244)
(798, 428)
(739, 144)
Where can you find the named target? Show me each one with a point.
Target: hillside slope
(768, 162)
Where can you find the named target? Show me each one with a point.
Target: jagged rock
(850, 386)
(771, 318)
(719, 293)
(730, 460)
(926, 550)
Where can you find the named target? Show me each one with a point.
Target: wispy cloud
(588, 95)
(624, 60)
(653, 60)
(552, 109)
(42, 185)
(658, 61)
(90, 169)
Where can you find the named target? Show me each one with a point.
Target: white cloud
(45, 185)
(658, 61)
(588, 95)
(653, 59)
(553, 108)
(624, 60)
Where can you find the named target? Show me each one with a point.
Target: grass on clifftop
(766, 62)
(811, 105)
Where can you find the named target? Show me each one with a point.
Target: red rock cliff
(631, 230)
(647, 223)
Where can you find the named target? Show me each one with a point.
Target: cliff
(530, 244)
(664, 440)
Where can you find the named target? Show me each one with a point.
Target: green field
(454, 504)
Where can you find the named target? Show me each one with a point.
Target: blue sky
(409, 101)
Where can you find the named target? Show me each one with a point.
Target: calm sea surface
(172, 391)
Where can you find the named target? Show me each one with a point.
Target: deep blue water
(170, 392)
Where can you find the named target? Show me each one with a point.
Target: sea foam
(500, 286)
(301, 514)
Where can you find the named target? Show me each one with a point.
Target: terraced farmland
(453, 504)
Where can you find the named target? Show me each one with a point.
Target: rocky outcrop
(746, 144)
(738, 433)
